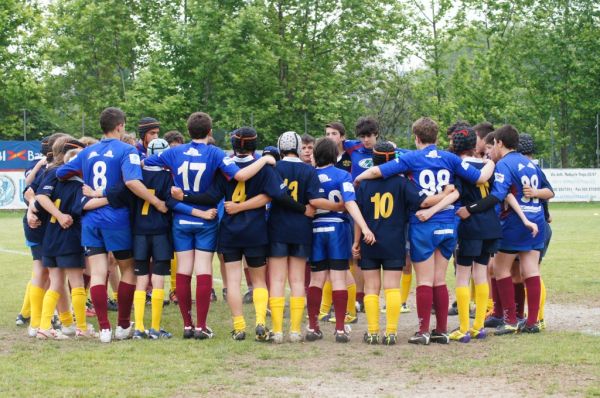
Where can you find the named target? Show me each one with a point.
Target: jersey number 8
(99, 179)
(432, 183)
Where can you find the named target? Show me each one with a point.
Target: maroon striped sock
(506, 290)
(424, 302)
(183, 286)
(203, 290)
(534, 291)
(99, 299)
(520, 299)
(313, 304)
(441, 302)
(496, 298)
(124, 304)
(340, 302)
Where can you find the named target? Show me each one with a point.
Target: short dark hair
(199, 124)
(325, 152)
(366, 126)
(426, 129)
(483, 129)
(339, 127)
(508, 135)
(489, 139)
(174, 136)
(307, 139)
(110, 118)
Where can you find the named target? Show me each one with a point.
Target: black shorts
(388, 264)
(162, 267)
(547, 238)
(279, 249)
(76, 260)
(475, 250)
(326, 265)
(256, 256)
(36, 252)
(155, 247)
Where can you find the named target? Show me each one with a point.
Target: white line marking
(14, 252)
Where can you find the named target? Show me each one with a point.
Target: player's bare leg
(278, 274)
(372, 279)
(296, 275)
(425, 273)
(234, 298)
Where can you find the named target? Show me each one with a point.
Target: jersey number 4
(384, 205)
(239, 193)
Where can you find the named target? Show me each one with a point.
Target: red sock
(99, 299)
(248, 279)
(360, 297)
(534, 291)
(424, 302)
(520, 299)
(506, 290)
(86, 281)
(203, 290)
(441, 302)
(496, 299)
(340, 302)
(124, 304)
(183, 286)
(313, 304)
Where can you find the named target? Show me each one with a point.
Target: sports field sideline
(563, 360)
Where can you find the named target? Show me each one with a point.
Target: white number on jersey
(432, 183)
(534, 182)
(184, 170)
(99, 178)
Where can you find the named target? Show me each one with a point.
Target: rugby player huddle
(326, 206)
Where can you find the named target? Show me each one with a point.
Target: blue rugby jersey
(362, 158)
(385, 205)
(512, 172)
(336, 186)
(286, 226)
(431, 170)
(479, 226)
(148, 220)
(194, 167)
(104, 165)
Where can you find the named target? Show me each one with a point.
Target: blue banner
(18, 155)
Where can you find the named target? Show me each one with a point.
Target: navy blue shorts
(111, 240)
(547, 239)
(195, 236)
(36, 252)
(327, 265)
(387, 264)
(475, 250)
(157, 247)
(76, 260)
(331, 241)
(255, 256)
(279, 249)
(426, 237)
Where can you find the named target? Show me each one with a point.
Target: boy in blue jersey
(332, 238)
(518, 175)
(432, 241)
(194, 167)
(108, 229)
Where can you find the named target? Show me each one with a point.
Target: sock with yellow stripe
(351, 305)
(139, 305)
(326, 298)
(239, 323)
(66, 318)
(173, 273)
(490, 303)
(36, 297)
(115, 296)
(462, 303)
(158, 297)
(277, 304)
(372, 312)
(26, 306)
(405, 282)
(260, 298)
(48, 306)
(392, 310)
(296, 311)
(482, 292)
(542, 300)
(78, 298)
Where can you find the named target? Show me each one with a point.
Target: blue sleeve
(464, 170)
(347, 188)
(71, 168)
(502, 181)
(313, 186)
(349, 144)
(131, 166)
(412, 197)
(180, 207)
(227, 165)
(394, 167)
(272, 183)
(160, 159)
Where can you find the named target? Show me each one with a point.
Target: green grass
(565, 362)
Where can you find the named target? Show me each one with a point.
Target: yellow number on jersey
(239, 194)
(146, 205)
(57, 204)
(293, 187)
(484, 189)
(384, 204)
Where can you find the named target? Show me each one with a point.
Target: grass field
(563, 360)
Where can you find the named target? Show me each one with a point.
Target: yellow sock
(542, 300)
(326, 298)
(277, 304)
(239, 323)
(372, 312)
(482, 292)
(78, 299)
(260, 298)
(48, 306)
(26, 307)
(173, 273)
(158, 296)
(36, 298)
(66, 318)
(490, 303)
(405, 282)
(351, 305)
(296, 311)
(115, 296)
(392, 310)
(139, 304)
(462, 303)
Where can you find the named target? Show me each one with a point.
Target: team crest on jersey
(93, 155)
(347, 163)
(192, 152)
(499, 177)
(108, 154)
(324, 178)
(366, 163)
(134, 158)
(433, 154)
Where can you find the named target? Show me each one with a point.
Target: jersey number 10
(384, 205)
